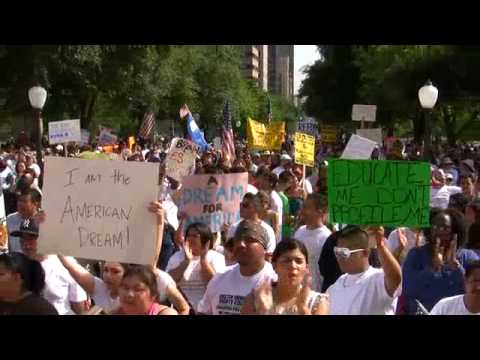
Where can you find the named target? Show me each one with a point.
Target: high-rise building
(281, 70)
(255, 64)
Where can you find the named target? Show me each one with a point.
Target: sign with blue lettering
(213, 199)
(65, 131)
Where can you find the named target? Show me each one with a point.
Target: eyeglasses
(345, 253)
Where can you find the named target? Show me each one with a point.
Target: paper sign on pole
(60, 132)
(265, 137)
(181, 158)
(382, 193)
(358, 148)
(371, 134)
(329, 134)
(364, 112)
(304, 149)
(98, 209)
(213, 200)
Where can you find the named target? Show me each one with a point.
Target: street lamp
(428, 95)
(37, 96)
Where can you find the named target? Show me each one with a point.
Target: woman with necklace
(292, 294)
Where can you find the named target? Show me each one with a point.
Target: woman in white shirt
(194, 266)
(292, 294)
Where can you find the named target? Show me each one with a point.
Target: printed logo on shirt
(230, 304)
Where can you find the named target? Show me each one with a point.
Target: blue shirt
(422, 284)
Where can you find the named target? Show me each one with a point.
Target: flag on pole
(193, 130)
(228, 141)
(148, 123)
(269, 111)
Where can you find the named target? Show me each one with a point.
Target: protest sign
(308, 126)
(304, 149)
(97, 209)
(372, 192)
(60, 132)
(364, 112)
(106, 137)
(371, 134)
(329, 134)
(85, 137)
(181, 158)
(358, 148)
(213, 199)
(265, 137)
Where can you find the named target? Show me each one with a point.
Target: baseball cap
(285, 157)
(248, 229)
(28, 227)
(449, 176)
(266, 152)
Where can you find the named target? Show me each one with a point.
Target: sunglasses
(345, 253)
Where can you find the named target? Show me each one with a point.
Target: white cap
(59, 147)
(285, 157)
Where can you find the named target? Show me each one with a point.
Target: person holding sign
(292, 293)
(435, 271)
(364, 290)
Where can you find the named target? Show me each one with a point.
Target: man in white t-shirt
(314, 234)
(249, 210)
(285, 164)
(362, 289)
(440, 193)
(226, 292)
(64, 293)
(468, 304)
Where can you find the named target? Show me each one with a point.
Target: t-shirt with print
(313, 241)
(192, 284)
(272, 242)
(454, 305)
(60, 288)
(226, 292)
(362, 294)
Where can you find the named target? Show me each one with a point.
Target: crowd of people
(283, 257)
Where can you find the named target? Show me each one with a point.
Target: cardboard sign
(329, 134)
(364, 112)
(60, 132)
(213, 199)
(358, 148)
(371, 134)
(304, 149)
(372, 192)
(308, 126)
(97, 209)
(265, 137)
(181, 158)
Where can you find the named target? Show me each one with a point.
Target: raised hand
(263, 298)
(451, 255)
(188, 251)
(204, 251)
(156, 208)
(184, 111)
(402, 239)
(40, 217)
(302, 298)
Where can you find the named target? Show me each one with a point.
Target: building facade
(281, 70)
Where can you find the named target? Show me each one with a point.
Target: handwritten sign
(364, 112)
(181, 157)
(304, 149)
(358, 148)
(329, 134)
(265, 137)
(308, 126)
(371, 134)
(372, 192)
(213, 199)
(60, 132)
(97, 209)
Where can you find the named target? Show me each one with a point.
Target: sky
(304, 55)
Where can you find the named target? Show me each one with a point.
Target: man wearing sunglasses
(363, 289)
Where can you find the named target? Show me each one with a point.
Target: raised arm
(391, 267)
(79, 274)
(156, 208)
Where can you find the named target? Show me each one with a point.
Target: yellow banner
(329, 134)
(265, 137)
(304, 149)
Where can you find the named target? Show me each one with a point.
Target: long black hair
(146, 276)
(31, 271)
(289, 244)
(206, 235)
(458, 224)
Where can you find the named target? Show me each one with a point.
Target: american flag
(148, 123)
(228, 142)
(269, 110)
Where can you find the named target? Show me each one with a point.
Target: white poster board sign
(371, 134)
(358, 148)
(60, 132)
(181, 158)
(364, 112)
(98, 209)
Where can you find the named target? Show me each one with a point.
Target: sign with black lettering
(371, 192)
(98, 209)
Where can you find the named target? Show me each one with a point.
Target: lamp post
(37, 96)
(428, 95)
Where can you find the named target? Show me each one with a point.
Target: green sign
(371, 192)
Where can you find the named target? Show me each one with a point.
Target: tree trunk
(450, 121)
(88, 109)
